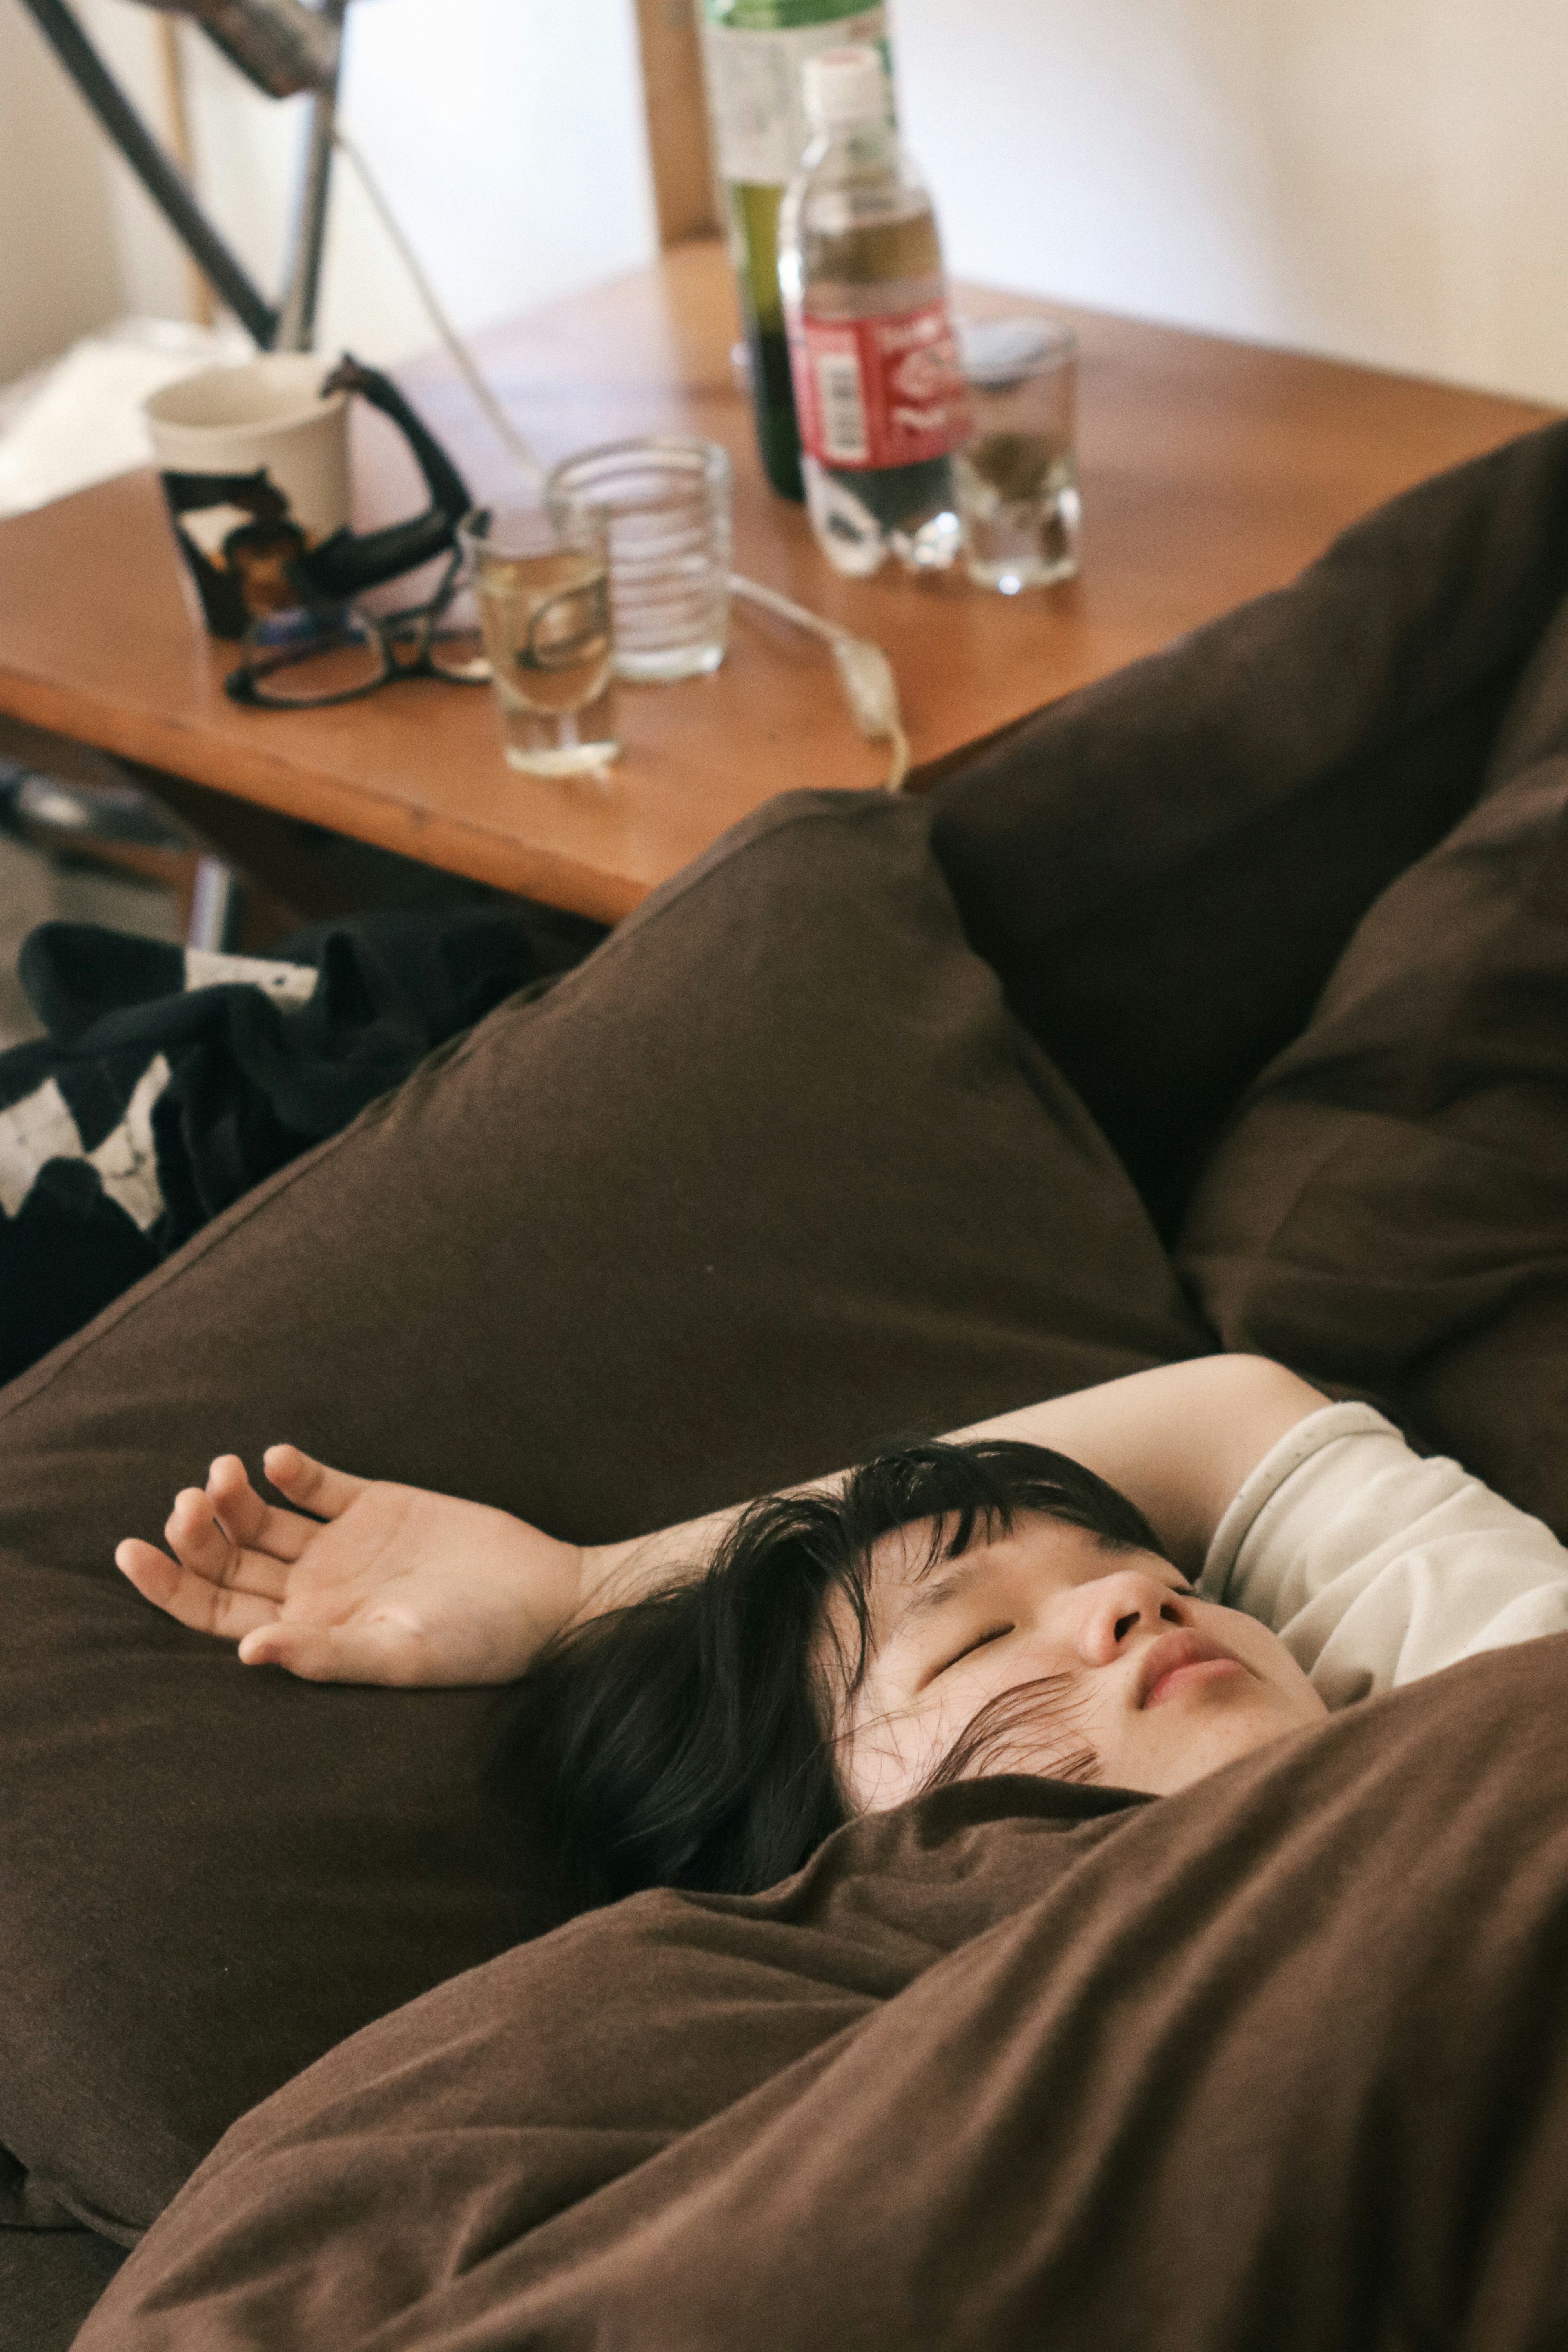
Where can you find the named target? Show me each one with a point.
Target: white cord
(514, 440)
(865, 673)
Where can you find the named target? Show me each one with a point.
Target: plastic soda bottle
(753, 54)
(878, 386)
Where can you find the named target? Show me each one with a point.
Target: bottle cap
(842, 86)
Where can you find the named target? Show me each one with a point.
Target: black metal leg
(297, 320)
(163, 183)
(217, 907)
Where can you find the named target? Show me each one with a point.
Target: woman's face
(1095, 1664)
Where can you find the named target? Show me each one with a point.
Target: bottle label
(754, 87)
(879, 392)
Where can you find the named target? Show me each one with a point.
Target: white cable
(755, 594)
(463, 358)
(865, 673)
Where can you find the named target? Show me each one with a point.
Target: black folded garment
(171, 1081)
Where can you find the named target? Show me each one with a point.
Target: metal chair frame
(290, 324)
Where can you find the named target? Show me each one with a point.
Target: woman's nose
(1115, 1608)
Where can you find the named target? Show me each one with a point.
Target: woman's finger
(246, 1520)
(201, 1548)
(311, 1483)
(193, 1600)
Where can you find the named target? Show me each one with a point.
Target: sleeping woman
(1130, 1586)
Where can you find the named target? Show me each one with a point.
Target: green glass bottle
(752, 52)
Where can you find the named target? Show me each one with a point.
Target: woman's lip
(1175, 1660)
(1201, 1670)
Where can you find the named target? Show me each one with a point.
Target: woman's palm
(386, 1584)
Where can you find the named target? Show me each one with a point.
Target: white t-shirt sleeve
(1375, 1566)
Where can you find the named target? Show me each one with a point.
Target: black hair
(688, 1739)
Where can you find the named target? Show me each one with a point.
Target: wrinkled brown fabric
(1164, 866)
(49, 2280)
(1280, 2061)
(1389, 1210)
(771, 1175)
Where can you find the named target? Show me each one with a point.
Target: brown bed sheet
(772, 1173)
(1388, 1211)
(594, 1217)
(1164, 867)
(1279, 2063)
(49, 2280)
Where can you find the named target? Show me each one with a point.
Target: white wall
(58, 269)
(1381, 180)
(508, 135)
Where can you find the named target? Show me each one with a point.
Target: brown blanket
(1279, 2063)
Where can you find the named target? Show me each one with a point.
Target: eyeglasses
(312, 656)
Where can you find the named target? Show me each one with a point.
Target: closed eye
(991, 1633)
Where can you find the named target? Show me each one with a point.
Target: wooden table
(1211, 470)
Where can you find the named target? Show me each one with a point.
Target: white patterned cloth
(42, 1125)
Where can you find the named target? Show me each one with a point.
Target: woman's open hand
(384, 1584)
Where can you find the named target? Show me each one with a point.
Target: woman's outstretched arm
(372, 1582)
(1178, 1441)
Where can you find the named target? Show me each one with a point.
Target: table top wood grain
(1211, 470)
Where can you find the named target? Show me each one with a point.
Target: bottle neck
(867, 146)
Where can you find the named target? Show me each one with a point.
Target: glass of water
(1018, 473)
(542, 584)
(665, 502)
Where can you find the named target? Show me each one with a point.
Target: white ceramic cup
(255, 463)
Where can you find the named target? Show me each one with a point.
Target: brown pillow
(49, 2280)
(1277, 2062)
(1164, 866)
(771, 1175)
(1389, 1210)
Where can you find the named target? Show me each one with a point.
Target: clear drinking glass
(542, 584)
(1018, 473)
(666, 504)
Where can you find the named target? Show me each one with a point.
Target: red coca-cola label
(879, 392)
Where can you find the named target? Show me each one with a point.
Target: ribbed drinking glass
(665, 502)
